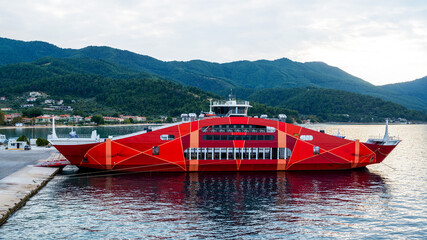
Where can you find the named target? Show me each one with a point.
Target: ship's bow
(381, 150)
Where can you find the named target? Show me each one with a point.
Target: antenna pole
(386, 131)
(210, 105)
(231, 97)
(53, 128)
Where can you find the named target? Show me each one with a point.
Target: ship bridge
(230, 108)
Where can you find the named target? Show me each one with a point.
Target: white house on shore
(16, 145)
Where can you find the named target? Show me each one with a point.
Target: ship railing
(79, 135)
(276, 119)
(381, 137)
(393, 138)
(234, 102)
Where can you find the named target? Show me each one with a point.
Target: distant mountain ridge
(416, 88)
(218, 78)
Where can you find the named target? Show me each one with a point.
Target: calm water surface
(103, 131)
(385, 201)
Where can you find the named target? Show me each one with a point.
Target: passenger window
(306, 137)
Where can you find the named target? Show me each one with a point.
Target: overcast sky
(380, 41)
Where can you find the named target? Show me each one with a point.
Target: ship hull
(225, 144)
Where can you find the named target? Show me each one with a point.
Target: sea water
(384, 201)
(63, 131)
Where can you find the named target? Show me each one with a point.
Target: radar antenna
(231, 96)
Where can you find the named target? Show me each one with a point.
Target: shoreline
(160, 124)
(70, 126)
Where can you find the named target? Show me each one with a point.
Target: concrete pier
(19, 186)
(13, 160)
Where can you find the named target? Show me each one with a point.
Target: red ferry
(226, 139)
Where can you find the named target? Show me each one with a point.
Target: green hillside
(95, 86)
(334, 105)
(13, 51)
(215, 77)
(80, 80)
(170, 70)
(417, 89)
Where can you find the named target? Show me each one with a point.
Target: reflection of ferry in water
(225, 139)
(228, 191)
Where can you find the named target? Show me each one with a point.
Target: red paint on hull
(135, 153)
(381, 151)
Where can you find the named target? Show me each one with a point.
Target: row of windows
(238, 137)
(254, 130)
(238, 128)
(236, 153)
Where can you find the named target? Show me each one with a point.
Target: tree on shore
(32, 112)
(16, 120)
(98, 119)
(42, 142)
(2, 120)
(23, 138)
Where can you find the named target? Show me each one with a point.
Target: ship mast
(385, 139)
(230, 96)
(210, 106)
(53, 128)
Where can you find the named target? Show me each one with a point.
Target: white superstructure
(230, 108)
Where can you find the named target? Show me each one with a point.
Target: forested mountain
(13, 51)
(334, 105)
(95, 86)
(417, 89)
(219, 78)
